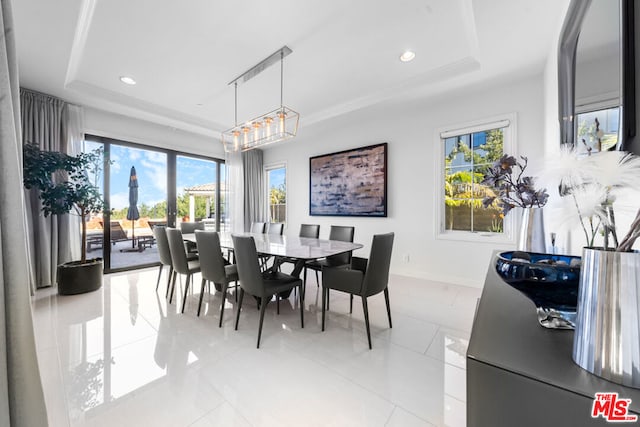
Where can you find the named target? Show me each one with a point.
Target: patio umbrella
(132, 212)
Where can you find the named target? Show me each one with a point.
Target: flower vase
(607, 334)
(531, 237)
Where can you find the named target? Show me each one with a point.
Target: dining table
(298, 250)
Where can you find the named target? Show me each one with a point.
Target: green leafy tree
(63, 184)
(200, 206)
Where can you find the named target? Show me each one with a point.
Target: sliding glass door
(138, 202)
(197, 191)
(144, 187)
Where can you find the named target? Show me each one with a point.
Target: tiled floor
(123, 356)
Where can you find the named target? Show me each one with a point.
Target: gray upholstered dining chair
(272, 229)
(337, 232)
(181, 264)
(311, 231)
(213, 267)
(164, 254)
(190, 228)
(365, 278)
(258, 227)
(275, 228)
(262, 285)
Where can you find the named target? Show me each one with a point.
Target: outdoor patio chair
(117, 233)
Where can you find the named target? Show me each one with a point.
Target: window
(277, 192)
(465, 154)
(606, 120)
(170, 185)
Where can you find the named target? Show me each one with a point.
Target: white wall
(410, 131)
(102, 123)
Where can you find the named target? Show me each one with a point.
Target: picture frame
(349, 183)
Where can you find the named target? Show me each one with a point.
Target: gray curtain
(45, 122)
(255, 202)
(21, 396)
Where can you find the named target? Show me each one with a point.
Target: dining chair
(365, 278)
(337, 232)
(213, 267)
(190, 228)
(262, 285)
(306, 230)
(271, 229)
(309, 230)
(275, 228)
(257, 227)
(165, 255)
(181, 264)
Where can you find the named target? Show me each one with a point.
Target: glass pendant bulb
(281, 116)
(267, 126)
(256, 131)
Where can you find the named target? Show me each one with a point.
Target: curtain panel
(21, 396)
(255, 201)
(235, 191)
(53, 125)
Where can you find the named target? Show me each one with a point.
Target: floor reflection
(128, 357)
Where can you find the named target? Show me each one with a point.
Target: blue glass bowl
(549, 281)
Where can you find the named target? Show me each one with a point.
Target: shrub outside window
(466, 152)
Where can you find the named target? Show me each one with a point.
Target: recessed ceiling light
(127, 80)
(407, 56)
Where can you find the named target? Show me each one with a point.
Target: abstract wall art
(349, 183)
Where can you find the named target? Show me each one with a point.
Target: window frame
(509, 146)
(267, 169)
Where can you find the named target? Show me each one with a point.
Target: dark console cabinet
(521, 374)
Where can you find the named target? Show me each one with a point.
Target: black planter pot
(77, 278)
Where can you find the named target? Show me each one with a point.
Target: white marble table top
(303, 248)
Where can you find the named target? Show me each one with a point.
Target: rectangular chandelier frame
(274, 126)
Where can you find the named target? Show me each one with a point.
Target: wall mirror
(596, 77)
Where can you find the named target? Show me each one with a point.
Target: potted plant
(515, 190)
(64, 186)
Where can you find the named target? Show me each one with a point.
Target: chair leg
(173, 285)
(277, 304)
(224, 298)
(317, 279)
(386, 298)
(325, 296)
(239, 307)
(365, 308)
(169, 281)
(301, 299)
(159, 276)
(350, 303)
(263, 308)
(186, 290)
(202, 285)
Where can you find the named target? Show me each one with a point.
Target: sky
(276, 177)
(151, 170)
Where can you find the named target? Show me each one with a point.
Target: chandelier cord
(281, 76)
(236, 104)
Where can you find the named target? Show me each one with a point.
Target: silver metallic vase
(531, 237)
(607, 335)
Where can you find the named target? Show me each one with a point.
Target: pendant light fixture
(274, 126)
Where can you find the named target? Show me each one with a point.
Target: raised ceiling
(345, 53)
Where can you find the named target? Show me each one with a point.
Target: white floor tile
(402, 418)
(124, 356)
